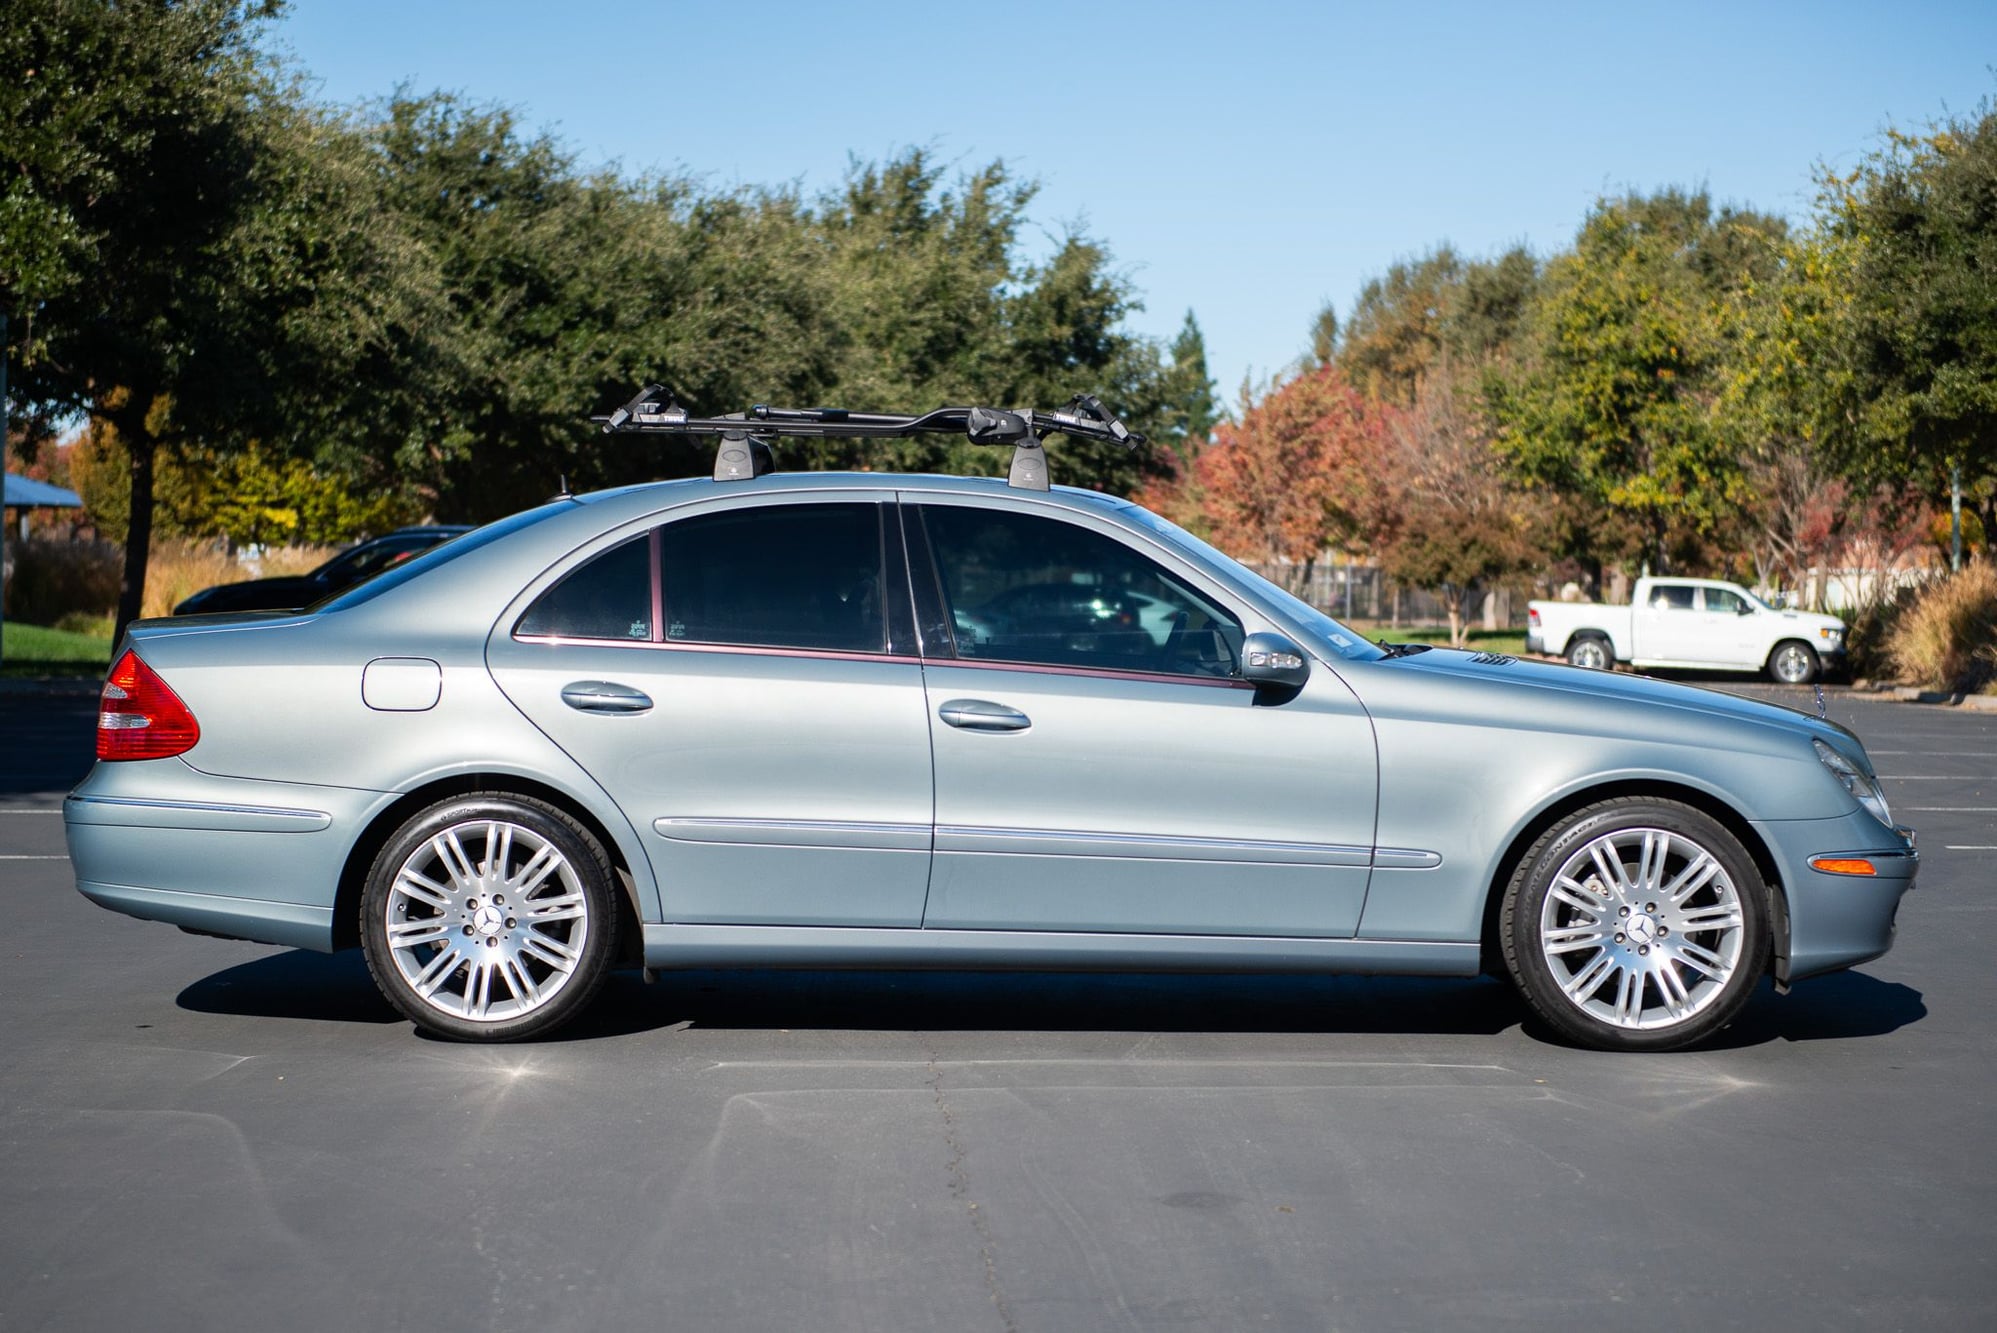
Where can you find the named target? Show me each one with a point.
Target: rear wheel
(1592, 652)
(1793, 663)
(489, 917)
(1636, 925)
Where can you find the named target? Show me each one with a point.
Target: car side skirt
(701, 946)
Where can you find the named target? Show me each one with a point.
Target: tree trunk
(142, 449)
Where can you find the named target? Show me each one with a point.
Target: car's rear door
(1098, 768)
(756, 708)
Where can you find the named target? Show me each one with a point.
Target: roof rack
(745, 436)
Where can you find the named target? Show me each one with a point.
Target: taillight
(1532, 616)
(140, 717)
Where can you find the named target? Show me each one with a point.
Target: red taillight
(1532, 615)
(140, 717)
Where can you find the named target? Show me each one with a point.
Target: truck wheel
(1792, 663)
(1591, 652)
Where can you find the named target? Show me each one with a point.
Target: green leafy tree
(1916, 363)
(1610, 400)
(196, 271)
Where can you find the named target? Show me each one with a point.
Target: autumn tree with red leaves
(1296, 474)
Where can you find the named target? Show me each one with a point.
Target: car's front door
(1098, 766)
(743, 682)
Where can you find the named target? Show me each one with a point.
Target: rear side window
(608, 598)
(777, 576)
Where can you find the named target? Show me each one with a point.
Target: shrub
(1947, 638)
(52, 579)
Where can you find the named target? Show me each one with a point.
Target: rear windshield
(441, 554)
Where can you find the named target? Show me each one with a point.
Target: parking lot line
(33, 858)
(1966, 847)
(38, 810)
(1952, 809)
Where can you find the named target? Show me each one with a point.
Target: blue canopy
(21, 492)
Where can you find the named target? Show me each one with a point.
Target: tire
(1793, 663)
(1636, 925)
(1591, 652)
(490, 917)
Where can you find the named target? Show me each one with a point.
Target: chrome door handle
(605, 696)
(982, 715)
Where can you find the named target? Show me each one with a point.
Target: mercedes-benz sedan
(821, 720)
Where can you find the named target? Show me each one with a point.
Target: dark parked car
(342, 571)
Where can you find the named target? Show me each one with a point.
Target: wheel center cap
(1641, 930)
(488, 919)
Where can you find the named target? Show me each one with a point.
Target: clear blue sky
(1248, 161)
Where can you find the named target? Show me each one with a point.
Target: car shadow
(1840, 1006)
(337, 988)
(331, 988)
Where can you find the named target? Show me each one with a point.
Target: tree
(1610, 399)
(1917, 224)
(1295, 473)
(196, 272)
(1449, 518)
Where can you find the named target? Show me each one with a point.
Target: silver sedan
(819, 720)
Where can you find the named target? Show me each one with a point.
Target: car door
(1098, 766)
(743, 681)
(1730, 628)
(1668, 624)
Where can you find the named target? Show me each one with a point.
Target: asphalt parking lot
(201, 1134)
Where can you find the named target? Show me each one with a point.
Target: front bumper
(1837, 921)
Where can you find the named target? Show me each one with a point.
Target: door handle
(605, 696)
(982, 715)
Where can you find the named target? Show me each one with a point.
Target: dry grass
(179, 569)
(1947, 639)
(76, 583)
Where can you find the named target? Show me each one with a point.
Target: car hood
(1539, 688)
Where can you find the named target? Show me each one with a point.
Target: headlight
(1863, 789)
(1830, 633)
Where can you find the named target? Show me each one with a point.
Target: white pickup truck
(1691, 624)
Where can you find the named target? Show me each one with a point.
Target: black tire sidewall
(1526, 895)
(593, 872)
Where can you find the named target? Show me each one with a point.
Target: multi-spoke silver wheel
(1642, 928)
(483, 918)
(1636, 924)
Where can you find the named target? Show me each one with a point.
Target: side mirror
(1745, 609)
(1272, 661)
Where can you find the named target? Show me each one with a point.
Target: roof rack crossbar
(745, 436)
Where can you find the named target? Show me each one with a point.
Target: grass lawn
(31, 650)
(1482, 640)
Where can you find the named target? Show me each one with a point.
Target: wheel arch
(361, 856)
(1491, 950)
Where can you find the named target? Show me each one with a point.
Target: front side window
(776, 576)
(1026, 588)
(1721, 600)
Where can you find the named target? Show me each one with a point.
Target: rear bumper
(249, 860)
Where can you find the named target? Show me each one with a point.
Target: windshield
(1352, 646)
(441, 554)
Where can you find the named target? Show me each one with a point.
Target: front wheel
(1636, 925)
(1793, 663)
(489, 917)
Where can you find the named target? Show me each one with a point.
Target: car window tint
(1671, 597)
(1025, 588)
(776, 576)
(608, 598)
